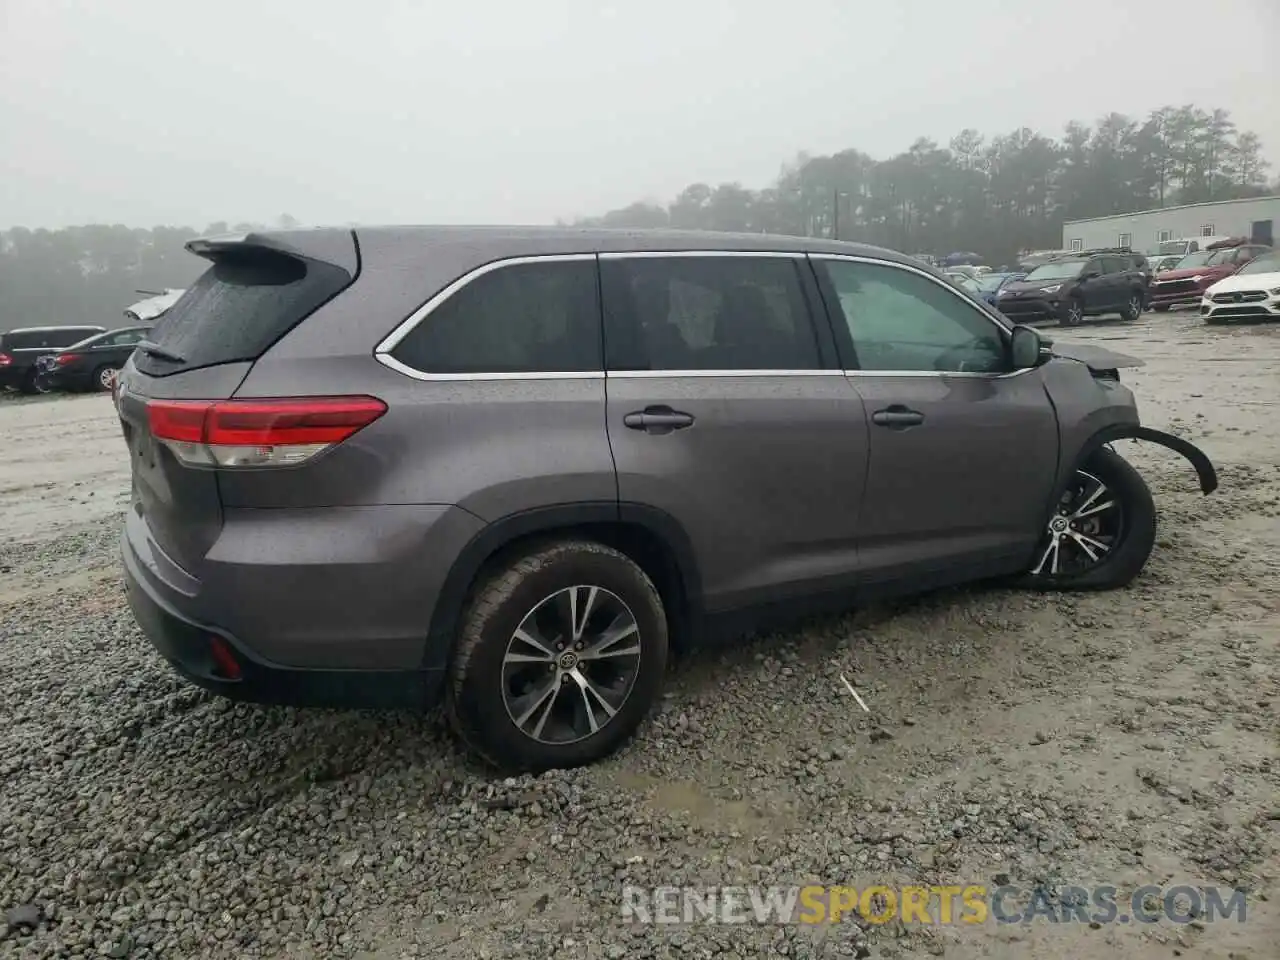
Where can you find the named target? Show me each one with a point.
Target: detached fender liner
(1203, 465)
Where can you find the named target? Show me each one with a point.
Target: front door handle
(659, 419)
(897, 417)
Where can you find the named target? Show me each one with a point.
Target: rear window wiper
(155, 350)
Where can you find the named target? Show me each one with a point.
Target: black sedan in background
(91, 364)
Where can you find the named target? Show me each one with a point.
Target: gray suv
(512, 470)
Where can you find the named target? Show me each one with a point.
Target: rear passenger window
(522, 318)
(707, 313)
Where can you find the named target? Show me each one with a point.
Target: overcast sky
(518, 111)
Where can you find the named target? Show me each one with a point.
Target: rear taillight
(5, 360)
(258, 433)
(62, 359)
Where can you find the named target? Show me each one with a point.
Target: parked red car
(1196, 272)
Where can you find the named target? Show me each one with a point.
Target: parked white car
(151, 309)
(1251, 293)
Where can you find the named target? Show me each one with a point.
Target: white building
(1254, 218)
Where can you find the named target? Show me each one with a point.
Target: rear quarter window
(535, 317)
(239, 307)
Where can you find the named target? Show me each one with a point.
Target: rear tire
(103, 377)
(536, 684)
(1116, 541)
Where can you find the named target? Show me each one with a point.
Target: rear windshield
(238, 308)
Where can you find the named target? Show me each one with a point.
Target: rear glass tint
(238, 308)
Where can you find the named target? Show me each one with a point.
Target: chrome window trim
(668, 254)
(717, 374)
(392, 363)
(382, 352)
(967, 374)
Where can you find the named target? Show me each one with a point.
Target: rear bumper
(1175, 298)
(188, 649)
(12, 376)
(317, 608)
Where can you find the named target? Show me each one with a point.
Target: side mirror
(1025, 347)
(1089, 275)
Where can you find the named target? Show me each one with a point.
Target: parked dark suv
(19, 350)
(91, 364)
(514, 468)
(1068, 289)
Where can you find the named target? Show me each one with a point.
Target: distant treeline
(994, 197)
(91, 274)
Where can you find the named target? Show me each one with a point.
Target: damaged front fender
(1125, 431)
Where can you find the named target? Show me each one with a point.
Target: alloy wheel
(1135, 307)
(1084, 530)
(107, 377)
(571, 665)
(1074, 314)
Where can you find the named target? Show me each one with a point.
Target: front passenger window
(900, 320)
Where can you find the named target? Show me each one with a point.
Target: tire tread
(1129, 559)
(488, 598)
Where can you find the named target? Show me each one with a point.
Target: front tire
(1101, 532)
(1133, 309)
(1075, 313)
(561, 653)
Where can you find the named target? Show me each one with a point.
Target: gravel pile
(1012, 738)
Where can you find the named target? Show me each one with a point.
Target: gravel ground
(1122, 738)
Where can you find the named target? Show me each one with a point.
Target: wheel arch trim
(452, 596)
(1205, 470)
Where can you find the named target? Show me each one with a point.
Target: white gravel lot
(1123, 738)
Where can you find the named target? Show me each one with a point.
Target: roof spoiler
(336, 247)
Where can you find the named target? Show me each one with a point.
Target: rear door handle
(659, 419)
(897, 417)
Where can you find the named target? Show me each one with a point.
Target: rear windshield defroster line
(245, 302)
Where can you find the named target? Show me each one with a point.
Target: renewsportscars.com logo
(932, 905)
